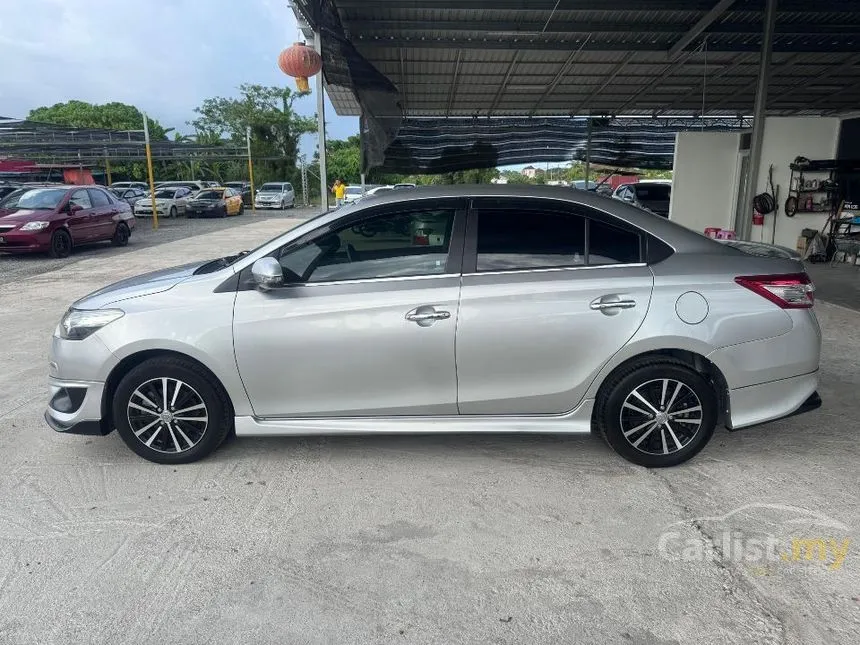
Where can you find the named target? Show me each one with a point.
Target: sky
(163, 56)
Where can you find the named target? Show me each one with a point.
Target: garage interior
(744, 87)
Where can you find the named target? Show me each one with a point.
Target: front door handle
(611, 305)
(427, 315)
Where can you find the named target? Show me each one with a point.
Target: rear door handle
(427, 315)
(610, 305)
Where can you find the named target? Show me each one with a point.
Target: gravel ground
(416, 539)
(17, 267)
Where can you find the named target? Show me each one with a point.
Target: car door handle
(426, 316)
(611, 304)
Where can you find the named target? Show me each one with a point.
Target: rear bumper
(749, 406)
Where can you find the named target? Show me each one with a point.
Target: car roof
(680, 237)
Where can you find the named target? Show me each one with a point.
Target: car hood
(141, 285)
(270, 193)
(22, 215)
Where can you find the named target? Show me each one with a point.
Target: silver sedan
(449, 309)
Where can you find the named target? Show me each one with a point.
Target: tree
(275, 127)
(110, 116)
(343, 159)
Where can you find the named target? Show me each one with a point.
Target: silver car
(510, 309)
(275, 194)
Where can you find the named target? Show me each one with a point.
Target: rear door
(550, 291)
(103, 215)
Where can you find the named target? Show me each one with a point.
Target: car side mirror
(268, 274)
(628, 198)
(74, 208)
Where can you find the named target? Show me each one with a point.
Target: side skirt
(577, 421)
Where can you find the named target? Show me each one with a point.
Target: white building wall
(703, 179)
(784, 139)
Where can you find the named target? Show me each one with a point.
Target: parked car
(170, 201)
(378, 190)
(129, 195)
(580, 184)
(275, 194)
(193, 186)
(122, 185)
(594, 315)
(405, 185)
(5, 189)
(653, 196)
(244, 189)
(216, 202)
(351, 194)
(55, 219)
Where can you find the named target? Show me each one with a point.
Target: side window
(98, 198)
(608, 244)
(529, 239)
(81, 198)
(288, 187)
(412, 243)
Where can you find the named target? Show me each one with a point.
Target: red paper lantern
(300, 61)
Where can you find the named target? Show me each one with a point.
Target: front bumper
(75, 407)
(16, 241)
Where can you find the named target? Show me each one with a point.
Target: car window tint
(98, 198)
(608, 244)
(81, 198)
(401, 244)
(529, 239)
(653, 191)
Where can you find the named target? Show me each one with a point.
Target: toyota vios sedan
(55, 219)
(471, 309)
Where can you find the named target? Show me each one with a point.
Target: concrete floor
(839, 284)
(430, 539)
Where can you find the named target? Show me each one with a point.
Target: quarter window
(402, 244)
(609, 244)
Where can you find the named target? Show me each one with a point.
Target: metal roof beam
(787, 63)
(617, 70)
(453, 91)
(703, 23)
(833, 70)
(402, 87)
(504, 84)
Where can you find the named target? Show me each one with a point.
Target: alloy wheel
(661, 416)
(167, 415)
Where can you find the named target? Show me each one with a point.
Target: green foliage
(110, 116)
(343, 160)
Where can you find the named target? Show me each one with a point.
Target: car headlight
(35, 226)
(77, 324)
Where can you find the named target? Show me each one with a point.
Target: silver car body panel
(528, 351)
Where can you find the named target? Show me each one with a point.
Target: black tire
(61, 244)
(172, 212)
(121, 235)
(282, 205)
(197, 385)
(241, 209)
(647, 378)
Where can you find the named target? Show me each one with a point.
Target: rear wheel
(61, 244)
(171, 411)
(121, 235)
(657, 412)
(241, 209)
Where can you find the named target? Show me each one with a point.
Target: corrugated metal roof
(545, 57)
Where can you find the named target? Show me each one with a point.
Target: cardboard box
(802, 243)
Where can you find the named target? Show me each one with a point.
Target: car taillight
(788, 291)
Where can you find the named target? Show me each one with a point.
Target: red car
(55, 219)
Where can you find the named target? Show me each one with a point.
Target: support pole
(587, 152)
(149, 170)
(250, 170)
(743, 226)
(107, 169)
(321, 128)
(362, 153)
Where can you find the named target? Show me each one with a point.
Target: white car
(194, 186)
(352, 194)
(170, 202)
(123, 185)
(275, 194)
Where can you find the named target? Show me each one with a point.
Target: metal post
(587, 152)
(251, 170)
(321, 128)
(305, 195)
(107, 168)
(149, 170)
(743, 226)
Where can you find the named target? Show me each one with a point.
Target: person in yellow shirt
(339, 190)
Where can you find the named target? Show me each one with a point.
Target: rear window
(653, 191)
(210, 194)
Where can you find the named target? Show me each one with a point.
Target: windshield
(40, 198)
(165, 193)
(271, 188)
(235, 184)
(210, 194)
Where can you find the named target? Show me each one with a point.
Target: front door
(366, 325)
(82, 223)
(549, 294)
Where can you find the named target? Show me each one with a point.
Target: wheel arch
(133, 360)
(692, 359)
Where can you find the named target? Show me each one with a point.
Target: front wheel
(121, 235)
(657, 412)
(172, 213)
(61, 244)
(171, 411)
(241, 209)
